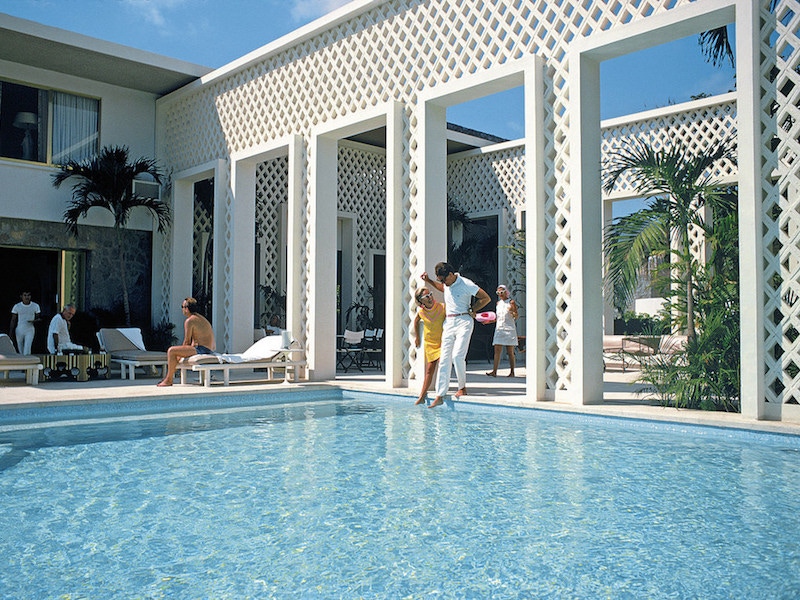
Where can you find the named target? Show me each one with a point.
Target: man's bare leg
(174, 354)
(436, 402)
(461, 392)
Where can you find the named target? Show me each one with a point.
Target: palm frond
(106, 181)
(716, 46)
(627, 243)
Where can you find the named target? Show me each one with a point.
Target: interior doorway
(40, 272)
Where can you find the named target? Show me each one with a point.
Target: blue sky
(215, 32)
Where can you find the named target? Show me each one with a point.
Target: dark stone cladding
(103, 288)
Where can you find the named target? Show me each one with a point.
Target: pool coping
(41, 400)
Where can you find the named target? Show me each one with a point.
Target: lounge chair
(126, 348)
(11, 360)
(613, 352)
(271, 352)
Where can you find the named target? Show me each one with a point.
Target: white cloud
(152, 11)
(306, 10)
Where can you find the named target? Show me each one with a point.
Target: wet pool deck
(619, 392)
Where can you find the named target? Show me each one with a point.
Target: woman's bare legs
(498, 351)
(512, 359)
(427, 382)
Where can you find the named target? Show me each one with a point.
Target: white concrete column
(294, 230)
(432, 200)
(751, 274)
(395, 284)
(535, 231)
(222, 319)
(322, 259)
(182, 243)
(432, 215)
(242, 253)
(586, 233)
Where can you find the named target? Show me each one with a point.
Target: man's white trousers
(455, 343)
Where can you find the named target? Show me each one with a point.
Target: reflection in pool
(373, 497)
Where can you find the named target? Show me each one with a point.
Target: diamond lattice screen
(272, 189)
(780, 121)
(696, 130)
(491, 182)
(393, 51)
(362, 191)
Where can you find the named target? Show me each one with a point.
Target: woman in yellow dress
(431, 313)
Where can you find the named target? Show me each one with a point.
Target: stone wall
(103, 290)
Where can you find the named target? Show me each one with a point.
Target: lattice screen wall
(780, 122)
(272, 190)
(492, 182)
(696, 130)
(393, 51)
(362, 191)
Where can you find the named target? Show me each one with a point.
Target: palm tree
(106, 181)
(716, 45)
(679, 186)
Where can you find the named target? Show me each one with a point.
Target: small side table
(74, 367)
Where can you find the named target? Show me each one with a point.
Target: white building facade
(398, 65)
(63, 96)
(298, 194)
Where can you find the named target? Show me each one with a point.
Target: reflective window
(47, 126)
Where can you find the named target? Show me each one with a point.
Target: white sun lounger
(267, 353)
(11, 360)
(126, 348)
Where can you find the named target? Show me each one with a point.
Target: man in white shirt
(58, 338)
(23, 316)
(458, 324)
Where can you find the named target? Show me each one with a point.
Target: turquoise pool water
(371, 497)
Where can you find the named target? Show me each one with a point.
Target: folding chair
(350, 352)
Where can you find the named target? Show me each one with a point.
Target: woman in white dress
(505, 331)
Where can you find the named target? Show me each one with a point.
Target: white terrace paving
(619, 391)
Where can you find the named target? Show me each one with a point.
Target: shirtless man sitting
(198, 338)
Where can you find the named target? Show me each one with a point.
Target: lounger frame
(31, 372)
(282, 360)
(127, 367)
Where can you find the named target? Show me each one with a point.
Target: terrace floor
(619, 391)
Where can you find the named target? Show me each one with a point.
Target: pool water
(375, 498)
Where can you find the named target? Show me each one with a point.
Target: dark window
(26, 115)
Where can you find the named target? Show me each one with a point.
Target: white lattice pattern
(780, 118)
(272, 189)
(695, 129)
(362, 191)
(393, 51)
(491, 182)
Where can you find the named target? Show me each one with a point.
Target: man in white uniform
(23, 316)
(58, 338)
(458, 325)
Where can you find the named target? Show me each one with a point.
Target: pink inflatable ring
(486, 317)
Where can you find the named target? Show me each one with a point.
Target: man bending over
(458, 324)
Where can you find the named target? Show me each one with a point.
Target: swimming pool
(373, 497)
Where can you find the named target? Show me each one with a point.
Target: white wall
(127, 117)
